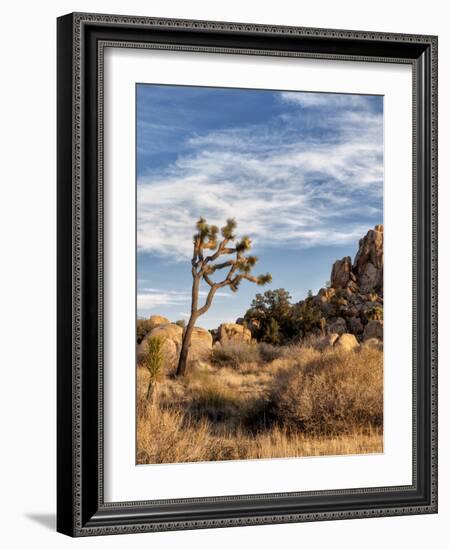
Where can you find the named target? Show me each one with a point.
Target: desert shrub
(272, 332)
(154, 363)
(331, 393)
(213, 400)
(303, 352)
(181, 323)
(233, 355)
(305, 318)
(268, 352)
(281, 322)
(272, 311)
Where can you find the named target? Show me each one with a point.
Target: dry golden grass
(304, 403)
(166, 436)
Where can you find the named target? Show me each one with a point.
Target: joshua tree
(204, 267)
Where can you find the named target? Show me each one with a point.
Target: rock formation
(369, 261)
(156, 320)
(373, 329)
(341, 273)
(353, 303)
(233, 333)
(200, 346)
(366, 274)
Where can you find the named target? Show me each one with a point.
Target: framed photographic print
(247, 288)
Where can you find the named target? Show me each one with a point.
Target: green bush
(272, 332)
(268, 352)
(154, 362)
(306, 318)
(280, 322)
(271, 310)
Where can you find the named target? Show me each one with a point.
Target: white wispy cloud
(326, 100)
(152, 298)
(148, 300)
(283, 188)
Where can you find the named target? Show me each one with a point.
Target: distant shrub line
(273, 319)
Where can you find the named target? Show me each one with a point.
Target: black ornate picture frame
(81, 509)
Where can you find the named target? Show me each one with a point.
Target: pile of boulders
(200, 346)
(233, 333)
(353, 302)
(344, 342)
(201, 342)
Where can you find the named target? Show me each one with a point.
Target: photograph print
(259, 329)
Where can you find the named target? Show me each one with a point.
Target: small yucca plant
(154, 362)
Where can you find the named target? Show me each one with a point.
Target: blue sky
(301, 172)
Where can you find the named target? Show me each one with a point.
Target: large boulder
(200, 344)
(144, 326)
(374, 329)
(369, 260)
(169, 331)
(346, 342)
(231, 333)
(172, 335)
(156, 320)
(323, 296)
(170, 350)
(341, 272)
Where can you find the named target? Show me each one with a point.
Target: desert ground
(251, 401)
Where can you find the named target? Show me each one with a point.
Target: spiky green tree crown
(207, 234)
(240, 268)
(228, 230)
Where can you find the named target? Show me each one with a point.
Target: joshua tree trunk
(186, 337)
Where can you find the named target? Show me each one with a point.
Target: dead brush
(331, 394)
(212, 400)
(234, 355)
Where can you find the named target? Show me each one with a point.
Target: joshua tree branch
(200, 252)
(208, 280)
(209, 299)
(222, 249)
(229, 263)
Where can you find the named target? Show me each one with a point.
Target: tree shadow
(46, 520)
